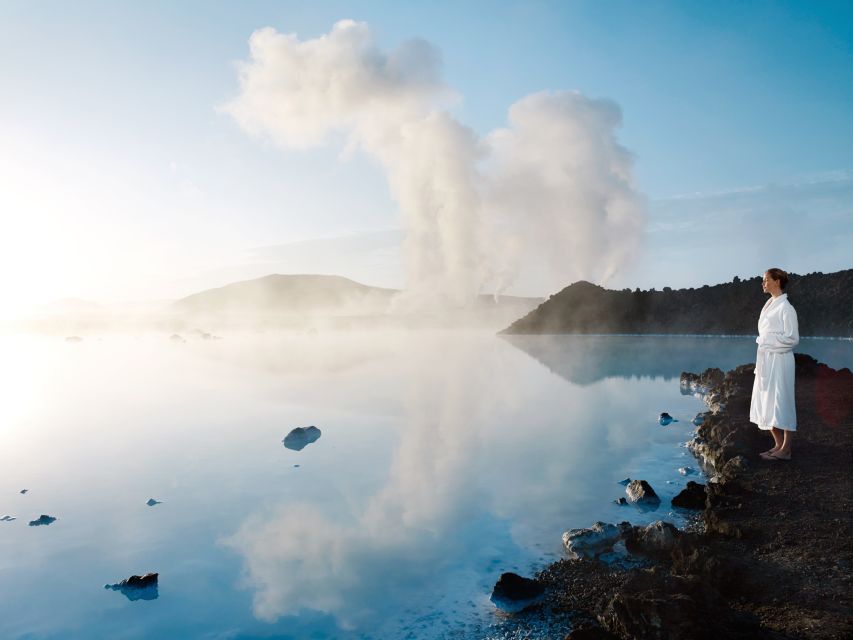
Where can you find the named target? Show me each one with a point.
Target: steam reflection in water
(446, 458)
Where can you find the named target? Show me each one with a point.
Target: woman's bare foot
(778, 455)
(769, 452)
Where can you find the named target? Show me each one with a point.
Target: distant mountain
(288, 294)
(316, 294)
(824, 304)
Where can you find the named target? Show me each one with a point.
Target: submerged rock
(664, 419)
(691, 497)
(7, 519)
(641, 492)
(686, 471)
(698, 420)
(137, 587)
(591, 542)
(151, 502)
(301, 437)
(514, 593)
(42, 520)
(621, 501)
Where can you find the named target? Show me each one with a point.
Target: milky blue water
(445, 459)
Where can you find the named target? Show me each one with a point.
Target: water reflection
(491, 462)
(585, 359)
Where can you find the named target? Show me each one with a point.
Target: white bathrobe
(773, 391)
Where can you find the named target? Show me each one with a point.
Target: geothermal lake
(446, 458)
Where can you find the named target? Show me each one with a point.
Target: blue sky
(117, 160)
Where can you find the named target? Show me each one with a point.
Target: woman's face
(771, 286)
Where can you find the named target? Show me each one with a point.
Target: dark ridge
(824, 304)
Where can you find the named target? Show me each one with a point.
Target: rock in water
(666, 419)
(625, 482)
(686, 471)
(23, 491)
(692, 497)
(300, 438)
(698, 420)
(151, 502)
(641, 492)
(43, 519)
(655, 539)
(588, 543)
(137, 587)
(7, 519)
(514, 593)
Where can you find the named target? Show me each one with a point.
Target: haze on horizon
(655, 145)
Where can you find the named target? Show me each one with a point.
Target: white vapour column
(552, 190)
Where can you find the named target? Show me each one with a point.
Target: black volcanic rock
(137, 587)
(691, 497)
(43, 519)
(301, 437)
(824, 304)
(514, 593)
(641, 492)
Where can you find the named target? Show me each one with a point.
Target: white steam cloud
(552, 192)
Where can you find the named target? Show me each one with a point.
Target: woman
(773, 408)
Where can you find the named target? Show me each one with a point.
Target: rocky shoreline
(770, 555)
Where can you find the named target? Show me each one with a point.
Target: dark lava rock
(23, 491)
(301, 437)
(621, 501)
(591, 542)
(7, 519)
(666, 419)
(137, 587)
(691, 497)
(625, 482)
(43, 520)
(655, 539)
(703, 382)
(641, 492)
(151, 502)
(514, 593)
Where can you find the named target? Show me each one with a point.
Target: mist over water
(446, 458)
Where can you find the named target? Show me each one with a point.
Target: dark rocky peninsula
(769, 554)
(824, 304)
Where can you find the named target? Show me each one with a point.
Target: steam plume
(552, 191)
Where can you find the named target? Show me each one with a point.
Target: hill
(824, 304)
(290, 294)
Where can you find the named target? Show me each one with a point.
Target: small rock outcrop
(301, 437)
(691, 497)
(641, 492)
(657, 538)
(514, 593)
(137, 587)
(43, 519)
(591, 542)
(151, 502)
(7, 519)
(665, 419)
